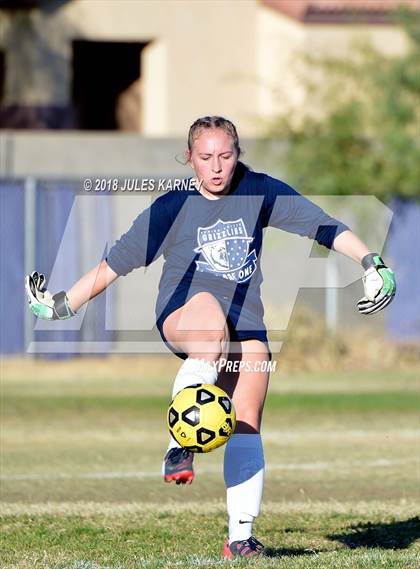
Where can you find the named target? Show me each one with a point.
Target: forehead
(211, 139)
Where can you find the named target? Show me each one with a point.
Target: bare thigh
(198, 328)
(248, 386)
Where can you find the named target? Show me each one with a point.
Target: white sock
(244, 479)
(191, 372)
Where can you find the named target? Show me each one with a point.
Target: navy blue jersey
(215, 245)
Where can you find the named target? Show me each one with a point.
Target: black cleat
(250, 547)
(178, 466)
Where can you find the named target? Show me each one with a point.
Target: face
(213, 158)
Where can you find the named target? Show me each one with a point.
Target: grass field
(82, 444)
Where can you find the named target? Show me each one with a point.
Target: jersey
(215, 245)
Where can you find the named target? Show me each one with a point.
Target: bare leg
(198, 328)
(247, 388)
(244, 456)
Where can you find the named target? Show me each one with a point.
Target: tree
(367, 140)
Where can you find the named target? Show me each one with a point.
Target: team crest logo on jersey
(225, 246)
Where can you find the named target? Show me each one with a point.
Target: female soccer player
(209, 305)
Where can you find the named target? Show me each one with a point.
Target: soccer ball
(201, 417)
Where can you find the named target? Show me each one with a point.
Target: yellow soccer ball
(201, 417)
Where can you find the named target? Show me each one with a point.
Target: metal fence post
(331, 296)
(30, 258)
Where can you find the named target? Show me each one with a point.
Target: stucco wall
(284, 42)
(235, 58)
(201, 59)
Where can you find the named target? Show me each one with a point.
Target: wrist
(62, 308)
(372, 260)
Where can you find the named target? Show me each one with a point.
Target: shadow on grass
(394, 535)
(288, 552)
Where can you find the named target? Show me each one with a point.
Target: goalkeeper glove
(43, 304)
(379, 285)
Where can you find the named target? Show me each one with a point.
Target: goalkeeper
(209, 303)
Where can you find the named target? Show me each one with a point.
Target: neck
(209, 195)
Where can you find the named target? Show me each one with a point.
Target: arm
(288, 210)
(378, 280)
(138, 247)
(90, 285)
(64, 305)
(350, 245)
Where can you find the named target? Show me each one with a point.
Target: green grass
(191, 538)
(314, 402)
(81, 485)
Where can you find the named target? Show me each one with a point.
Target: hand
(43, 304)
(379, 285)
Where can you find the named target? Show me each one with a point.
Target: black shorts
(245, 321)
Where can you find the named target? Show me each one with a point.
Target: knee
(216, 337)
(209, 344)
(248, 421)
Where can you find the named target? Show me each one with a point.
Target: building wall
(199, 62)
(201, 58)
(280, 41)
(283, 43)
(239, 59)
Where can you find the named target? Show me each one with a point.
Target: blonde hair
(213, 122)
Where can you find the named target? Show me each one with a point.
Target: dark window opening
(106, 85)
(19, 4)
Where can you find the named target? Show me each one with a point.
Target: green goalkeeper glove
(43, 304)
(379, 285)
